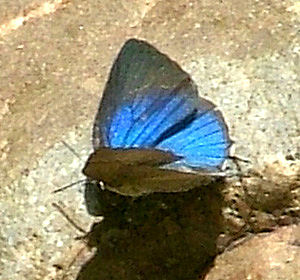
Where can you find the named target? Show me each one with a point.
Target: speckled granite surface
(243, 55)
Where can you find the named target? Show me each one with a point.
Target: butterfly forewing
(143, 125)
(138, 69)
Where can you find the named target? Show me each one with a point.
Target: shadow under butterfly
(152, 132)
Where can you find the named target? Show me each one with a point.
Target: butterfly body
(153, 133)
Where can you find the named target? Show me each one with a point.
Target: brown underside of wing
(135, 172)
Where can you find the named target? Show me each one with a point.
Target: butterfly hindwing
(204, 144)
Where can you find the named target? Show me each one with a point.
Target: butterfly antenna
(77, 182)
(69, 186)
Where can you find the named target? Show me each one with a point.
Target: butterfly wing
(139, 70)
(204, 144)
(150, 102)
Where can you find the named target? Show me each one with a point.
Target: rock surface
(243, 55)
(274, 255)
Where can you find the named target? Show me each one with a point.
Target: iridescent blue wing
(138, 70)
(204, 143)
(150, 102)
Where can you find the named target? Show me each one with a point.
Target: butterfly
(152, 132)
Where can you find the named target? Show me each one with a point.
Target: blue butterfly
(152, 132)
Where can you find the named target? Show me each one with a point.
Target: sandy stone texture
(244, 57)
